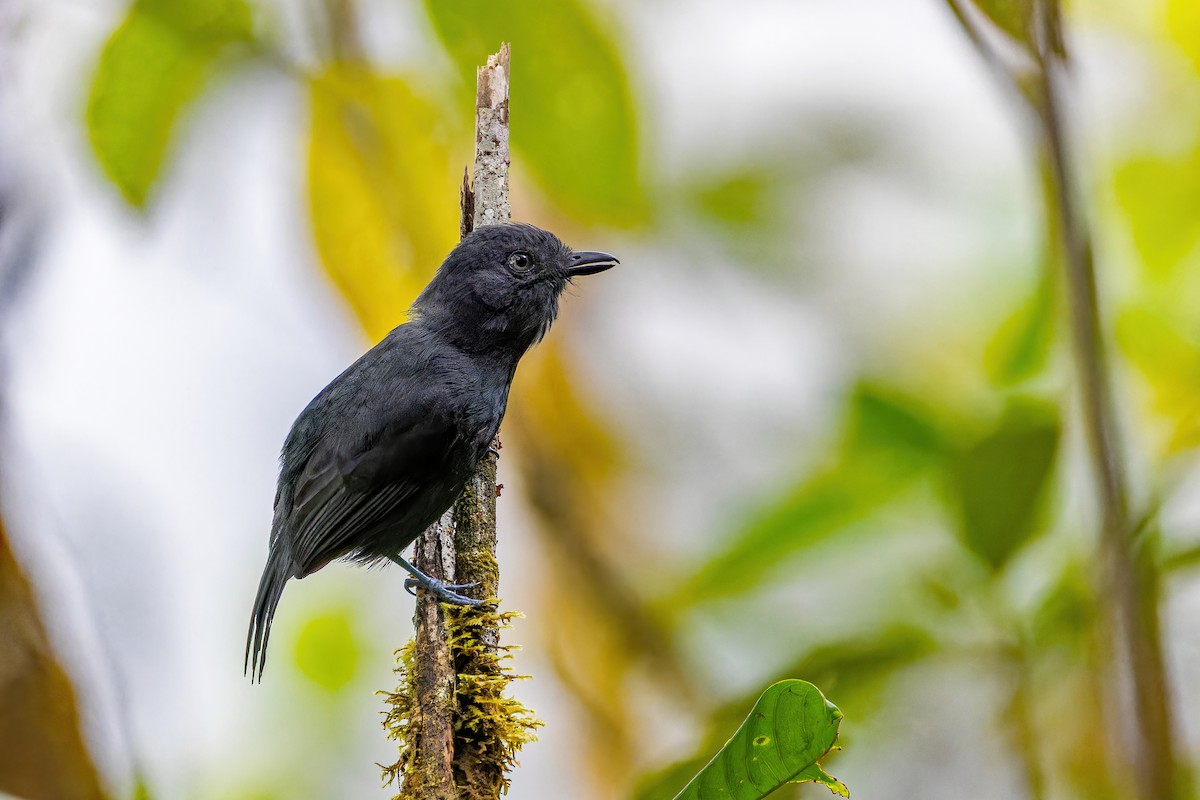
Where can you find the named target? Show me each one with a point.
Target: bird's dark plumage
(385, 448)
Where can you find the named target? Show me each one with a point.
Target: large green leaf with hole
(573, 117)
(789, 730)
(859, 665)
(153, 66)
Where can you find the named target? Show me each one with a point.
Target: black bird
(388, 446)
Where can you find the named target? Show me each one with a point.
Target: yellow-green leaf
(383, 194)
(327, 651)
(1011, 16)
(814, 774)
(1183, 21)
(155, 63)
(1169, 361)
(1159, 194)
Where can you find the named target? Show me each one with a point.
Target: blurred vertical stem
(1132, 580)
(1130, 577)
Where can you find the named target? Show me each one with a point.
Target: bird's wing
(354, 481)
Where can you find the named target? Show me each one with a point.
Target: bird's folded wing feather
(353, 482)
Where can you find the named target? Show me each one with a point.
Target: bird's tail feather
(270, 589)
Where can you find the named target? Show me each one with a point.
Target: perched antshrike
(388, 446)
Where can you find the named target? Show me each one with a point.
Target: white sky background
(155, 365)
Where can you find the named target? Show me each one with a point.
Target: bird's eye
(520, 261)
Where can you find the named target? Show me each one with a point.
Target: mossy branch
(459, 734)
(489, 727)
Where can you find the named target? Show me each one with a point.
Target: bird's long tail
(270, 589)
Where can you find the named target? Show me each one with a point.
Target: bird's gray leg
(446, 592)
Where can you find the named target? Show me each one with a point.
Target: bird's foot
(446, 592)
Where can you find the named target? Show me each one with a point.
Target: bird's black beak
(589, 263)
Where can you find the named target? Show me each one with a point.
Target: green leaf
(747, 210)
(999, 480)
(1019, 349)
(1181, 558)
(141, 790)
(1014, 17)
(790, 729)
(884, 422)
(746, 199)
(220, 21)
(857, 666)
(573, 117)
(889, 442)
(1066, 613)
(814, 774)
(327, 651)
(155, 63)
(817, 508)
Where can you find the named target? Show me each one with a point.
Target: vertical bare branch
(480, 775)
(455, 672)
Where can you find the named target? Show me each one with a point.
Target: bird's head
(499, 288)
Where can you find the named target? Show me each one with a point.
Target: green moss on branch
(490, 727)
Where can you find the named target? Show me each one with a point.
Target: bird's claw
(446, 592)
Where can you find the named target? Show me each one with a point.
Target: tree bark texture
(461, 547)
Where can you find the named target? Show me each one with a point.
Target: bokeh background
(821, 423)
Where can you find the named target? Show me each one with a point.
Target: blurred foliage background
(822, 423)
